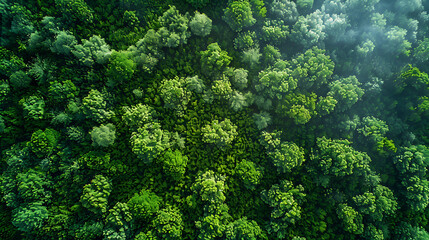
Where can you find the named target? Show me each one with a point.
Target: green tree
(284, 155)
(149, 141)
(118, 223)
(95, 106)
(30, 216)
(93, 50)
(195, 84)
(243, 229)
(346, 91)
(220, 133)
(238, 15)
(43, 143)
(274, 82)
(103, 136)
(245, 40)
(174, 28)
(121, 68)
(95, 194)
(61, 92)
(174, 164)
(262, 120)
(138, 115)
(175, 95)
(285, 200)
(19, 80)
(146, 52)
(249, 173)
(200, 24)
(317, 68)
(214, 60)
(64, 43)
(336, 158)
(209, 187)
(251, 57)
(350, 218)
(34, 107)
(76, 11)
(168, 223)
(144, 204)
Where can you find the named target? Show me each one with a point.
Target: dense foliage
(230, 119)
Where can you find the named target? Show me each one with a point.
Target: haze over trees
(198, 119)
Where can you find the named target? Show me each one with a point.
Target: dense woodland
(204, 119)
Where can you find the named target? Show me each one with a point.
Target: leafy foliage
(95, 194)
(220, 133)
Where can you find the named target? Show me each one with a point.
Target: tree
(34, 107)
(174, 28)
(175, 95)
(61, 92)
(336, 158)
(146, 52)
(144, 204)
(274, 82)
(243, 229)
(274, 32)
(285, 10)
(373, 128)
(149, 141)
(94, 50)
(118, 223)
(103, 136)
(33, 186)
(249, 173)
(285, 200)
(222, 88)
(195, 84)
(19, 80)
(44, 142)
(317, 68)
(214, 60)
(238, 15)
(220, 133)
(30, 217)
(168, 223)
(238, 101)
(89, 230)
(95, 194)
(251, 57)
(174, 164)
(121, 68)
(346, 91)
(214, 222)
(299, 114)
(262, 120)
(138, 115)
(94, 106)
(365, 203)
(309, 30)
(325, 105)
(385, 203)
(76, 11)
(209, 187)
(350, 218)
(245, 40)
(284, 155)
(200, 24)
(64, 43)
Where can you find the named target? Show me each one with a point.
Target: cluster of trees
(197, 119)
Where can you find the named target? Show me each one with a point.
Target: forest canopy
(209, 120)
